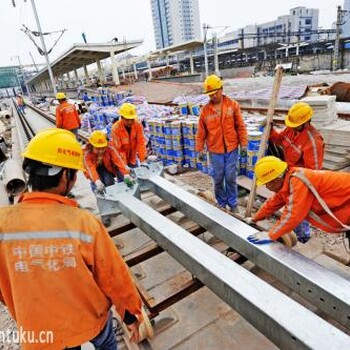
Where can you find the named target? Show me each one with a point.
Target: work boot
(106, 221)
(303, 239)
(234, 210)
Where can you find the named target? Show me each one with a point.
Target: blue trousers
(224, 174)
(106, 340)
(303, 231)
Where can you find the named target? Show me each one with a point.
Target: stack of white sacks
(336, 132)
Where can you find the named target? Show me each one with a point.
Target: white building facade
(346, 20)
(175, 21)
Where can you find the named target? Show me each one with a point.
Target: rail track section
(285, 322)
(321, 287)
(29, 124)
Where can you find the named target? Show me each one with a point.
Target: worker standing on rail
(318, 196)
(127, 136)
(60, 272)
(302, 146)
(20, 103)
(67, 116)
(222, 128)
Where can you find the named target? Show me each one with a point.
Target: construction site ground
(202, 320)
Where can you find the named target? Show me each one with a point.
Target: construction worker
(127, 136)
(318, 196)
(102, 162)
(20, 103)
(302, 146)
(222, 128)
(67, 116)
(60, 271)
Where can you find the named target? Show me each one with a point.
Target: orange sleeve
(201, 133)
(313, 152)
(90, 170)
(240, 126)
(141, 143)
(113, 277)
(116, 142)
(77, 117)
(276, 137)
(59, 119)
(117, 159)
(270, 207)
(297, 209)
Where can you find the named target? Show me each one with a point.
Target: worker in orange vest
(20, 103)
(102, 162)
(67, 116)
(302, 146)
(222, 129)
(127, 136)
(318, 196)
(60, 272)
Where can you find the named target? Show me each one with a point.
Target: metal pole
(36, 67)
(52, 79)
(337, 40)
(216, 57)
(205, 28)
(24, 80)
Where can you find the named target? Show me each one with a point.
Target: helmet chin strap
(68, 180)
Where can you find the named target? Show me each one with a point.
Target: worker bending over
(222, 129)
(59, 269)
(302, 146)
(67, 116)
(102, 162)
(319, 196)
(127, 136)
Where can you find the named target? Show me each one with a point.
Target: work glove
(201, 156)
(128, 180)
(249, 220)
(260, 238)
(152, 158)
(244, 151)
(100, 187)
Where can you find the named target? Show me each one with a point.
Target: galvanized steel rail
(285, 322)
(321, 287)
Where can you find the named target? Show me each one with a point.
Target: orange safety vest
(60, 271)
(67, 116)
(300, 203)
(304, 149)
(129, 146)
(222, 133)
(111, 160)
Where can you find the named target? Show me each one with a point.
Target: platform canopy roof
(80, 55)
(186, 46)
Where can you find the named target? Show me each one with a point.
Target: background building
(292, 28)
(346, 20)
(175, 21)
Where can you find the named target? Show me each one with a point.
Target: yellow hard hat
(268, 168)
(60, 96)
(128, 111)
(212, 84)
(299, 114)
(98, 139)
(56, 147)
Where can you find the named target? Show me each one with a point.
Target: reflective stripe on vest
(32, 235)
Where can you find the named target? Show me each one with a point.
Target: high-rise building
(346, 20)
(175, 21)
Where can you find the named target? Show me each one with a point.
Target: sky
(104, 20)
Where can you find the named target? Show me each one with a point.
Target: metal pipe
(275, 315)
(321, 287)
(13, 177)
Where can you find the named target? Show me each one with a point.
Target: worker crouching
(302, 145)
(60, 271)
(127, 136)
(320, 197)
(103, 163)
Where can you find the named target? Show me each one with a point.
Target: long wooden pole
(266, 134)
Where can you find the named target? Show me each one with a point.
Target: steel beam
(321, 287)
(285, 322)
